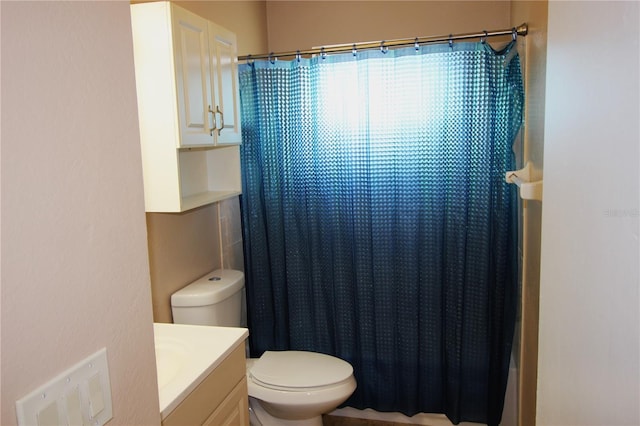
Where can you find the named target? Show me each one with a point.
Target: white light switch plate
(81, 395)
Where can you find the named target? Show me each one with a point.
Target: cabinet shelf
(203, 198)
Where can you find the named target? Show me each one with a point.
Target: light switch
(75, 396)
(48, 416)
(74, 408)
(96, 401)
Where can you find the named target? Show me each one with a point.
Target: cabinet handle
(214, 121)
(221, 119)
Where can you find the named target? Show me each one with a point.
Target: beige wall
(294, 25)
(75, 274)
(589, 340)
(533, 51)
(183, 247)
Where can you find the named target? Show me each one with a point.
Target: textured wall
(182, 248)
(301, 25)
(75, 274)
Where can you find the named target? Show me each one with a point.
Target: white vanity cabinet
(188, 107)
(220, 399)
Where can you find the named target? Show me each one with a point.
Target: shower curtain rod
(520, 30)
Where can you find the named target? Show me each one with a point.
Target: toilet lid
(300, 369)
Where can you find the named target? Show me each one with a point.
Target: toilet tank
(213, 299)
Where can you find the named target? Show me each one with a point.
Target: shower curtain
(377, 224)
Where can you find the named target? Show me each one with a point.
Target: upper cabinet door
(193, 78)
(224, 64)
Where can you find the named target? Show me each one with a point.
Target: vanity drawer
(224, 384)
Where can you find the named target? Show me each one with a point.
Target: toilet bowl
(286, 388)
(297, 387)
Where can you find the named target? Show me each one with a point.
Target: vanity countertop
(186, 355)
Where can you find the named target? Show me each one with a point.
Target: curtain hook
(483, 40)
(354, 51)
(383, 48)
(416, 44)
(323, 55)
(272, 58)
(298, 56)
(450, 41)
(249, 61)
(514, 34)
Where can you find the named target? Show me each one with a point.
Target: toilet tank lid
(209, 289)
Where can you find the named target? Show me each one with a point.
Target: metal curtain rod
(520, 30)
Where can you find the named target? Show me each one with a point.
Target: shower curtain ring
(354, 51)
(450, 41)
(272, 58)
(514, 34)
(416, 44)
(483, 40)
(323, 55)
(249, 61)
(298, 56)
(384, 49)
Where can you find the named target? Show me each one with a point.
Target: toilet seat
(299, 371)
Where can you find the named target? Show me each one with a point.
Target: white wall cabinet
(188, 107)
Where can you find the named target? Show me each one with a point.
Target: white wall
(589, 325)
(75, 274)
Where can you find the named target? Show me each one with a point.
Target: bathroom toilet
(285, 387)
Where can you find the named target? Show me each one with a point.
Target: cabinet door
(234, 410)
(224, 64)
(193, 81)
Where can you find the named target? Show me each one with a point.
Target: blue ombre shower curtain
(377, 223)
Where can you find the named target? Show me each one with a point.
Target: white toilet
(285, 387)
